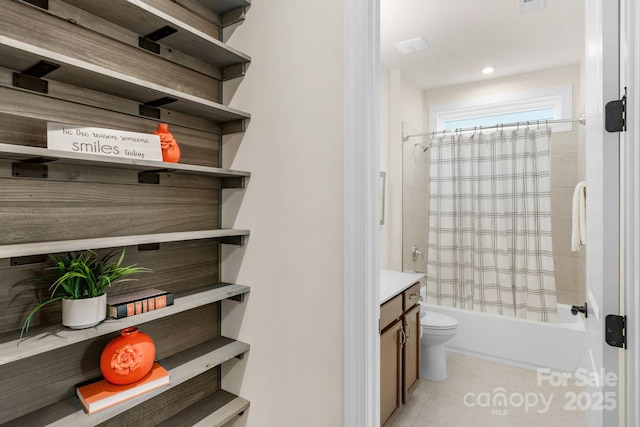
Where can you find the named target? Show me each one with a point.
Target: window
(535, 107)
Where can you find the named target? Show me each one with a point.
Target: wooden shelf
(228, 236)
(223, 6)
(22, 152)
(17, 55)
(213, 411)
(182, 367)
(54, 337)
(98, 72)
(193, 38)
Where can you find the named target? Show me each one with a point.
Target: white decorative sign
(104, 142)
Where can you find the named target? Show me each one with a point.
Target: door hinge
(615, 330)
(615, 119)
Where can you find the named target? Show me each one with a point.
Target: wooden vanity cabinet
(399, 351)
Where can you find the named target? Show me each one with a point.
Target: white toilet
(437, 328)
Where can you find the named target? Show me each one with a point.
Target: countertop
(394, 282)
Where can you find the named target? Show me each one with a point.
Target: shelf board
(223, 6)
(54, 337)
(23, 249)
(17, 55)
(213, 411)
(182, 367)
(143, 18)
(23, 152)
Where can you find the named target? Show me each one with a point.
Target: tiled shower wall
(564, 177)
(415, 200)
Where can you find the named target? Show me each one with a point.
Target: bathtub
(560, 346)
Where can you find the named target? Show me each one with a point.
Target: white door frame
(361, 220)
(603, 199)
(632, 212)
(361, 251)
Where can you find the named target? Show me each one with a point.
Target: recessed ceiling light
(412, 45)
(488, 70)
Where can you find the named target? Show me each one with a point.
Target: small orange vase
(170, 148)
(128, 358)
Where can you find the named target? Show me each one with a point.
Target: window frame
(559, 98)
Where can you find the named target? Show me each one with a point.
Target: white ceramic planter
(85, 312)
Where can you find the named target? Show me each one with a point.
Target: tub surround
(393, 283)
(517, 342)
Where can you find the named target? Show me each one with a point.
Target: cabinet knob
(414, 296)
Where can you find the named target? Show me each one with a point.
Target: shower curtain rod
(581, 120)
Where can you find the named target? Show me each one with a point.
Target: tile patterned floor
(471, 397)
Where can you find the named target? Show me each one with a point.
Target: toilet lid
(435, 320)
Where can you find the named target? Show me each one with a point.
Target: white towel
(579, 217)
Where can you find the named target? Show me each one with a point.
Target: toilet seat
(433, 320)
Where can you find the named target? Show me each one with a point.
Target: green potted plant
(80, 280)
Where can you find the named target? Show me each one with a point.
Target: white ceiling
(467, 35)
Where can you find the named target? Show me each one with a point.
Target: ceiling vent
(412, 45)
(528, 6)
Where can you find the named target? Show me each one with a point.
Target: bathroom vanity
(399, 340)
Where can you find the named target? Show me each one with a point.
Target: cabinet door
(411, 352)
(390, 371)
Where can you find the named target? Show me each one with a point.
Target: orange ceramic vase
(128, 358)
(170, 148)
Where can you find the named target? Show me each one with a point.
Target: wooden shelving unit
(17, 55)
(213, 411)
(117, 64)
(25, 249)
(231, 178)
(182, 367)
(54, 337)
(198, 38)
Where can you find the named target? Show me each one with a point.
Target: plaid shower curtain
(490, 224)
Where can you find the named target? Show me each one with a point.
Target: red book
(102, 394)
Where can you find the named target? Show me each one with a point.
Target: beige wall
(500, 86)
(293, 205)
(565, 163)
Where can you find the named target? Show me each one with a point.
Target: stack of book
(138, 302)
(101, 394)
